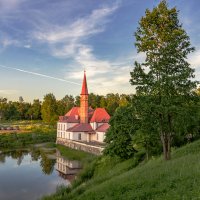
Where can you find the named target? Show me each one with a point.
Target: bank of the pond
(14, 140)
(75, 154)
(111, 179)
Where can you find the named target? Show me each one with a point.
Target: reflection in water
(15, 154)
(67, 168)
(2, 158)
(47, 164)
(30, 174)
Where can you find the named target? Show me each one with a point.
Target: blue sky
(61, 38)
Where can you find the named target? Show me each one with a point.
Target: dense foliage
(164, 80)
(119, 136)
(50, 108)
(165, 112)
(14, 140)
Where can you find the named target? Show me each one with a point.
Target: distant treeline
(50, 108)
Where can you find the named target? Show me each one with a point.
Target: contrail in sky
(38, 74)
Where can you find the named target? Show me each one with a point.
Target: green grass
(28, 125)
(112, 179)
(73, 154)
(32, 132)
(21, 140)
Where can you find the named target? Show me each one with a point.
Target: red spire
(84, 90)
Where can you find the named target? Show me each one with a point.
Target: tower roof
(84, 85)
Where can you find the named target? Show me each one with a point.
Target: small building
(83, 123)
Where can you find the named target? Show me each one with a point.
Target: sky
(45, 45)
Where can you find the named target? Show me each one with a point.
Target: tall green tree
(77, 101)
(164, 79)
(34, 111)
(49, 109)
(112, 102)
(119, 136)
(65, 104)
(3, 107)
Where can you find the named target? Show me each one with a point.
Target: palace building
(83, 124)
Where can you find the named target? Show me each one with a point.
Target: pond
(26, 174)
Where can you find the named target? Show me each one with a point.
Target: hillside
(178, 178)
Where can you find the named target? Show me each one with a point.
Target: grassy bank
(110, 179)
(20, 140)
(73, 154)
(26, 125)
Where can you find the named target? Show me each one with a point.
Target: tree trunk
(166, 142)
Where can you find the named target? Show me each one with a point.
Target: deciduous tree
(49, 109)
(164, 79)
(119, 135)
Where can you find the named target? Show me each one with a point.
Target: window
(79, 136)
(69, 135)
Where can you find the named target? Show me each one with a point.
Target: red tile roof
(74, 111)
(84, 86)
(100, 115)
(103, 128)
(81, 128)
(97, 115)
(72, 116)
(73, 119)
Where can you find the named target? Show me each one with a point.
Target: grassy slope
(176, 179)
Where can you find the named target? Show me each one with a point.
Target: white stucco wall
(61, 129)
(75, 136)
(100, 136)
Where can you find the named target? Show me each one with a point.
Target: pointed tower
(84, 101)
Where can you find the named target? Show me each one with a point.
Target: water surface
(29, 175)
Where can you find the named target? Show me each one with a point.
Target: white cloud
(81, 28)
(71, 41)
(103, 76)
(65, 41)
(27, 46)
